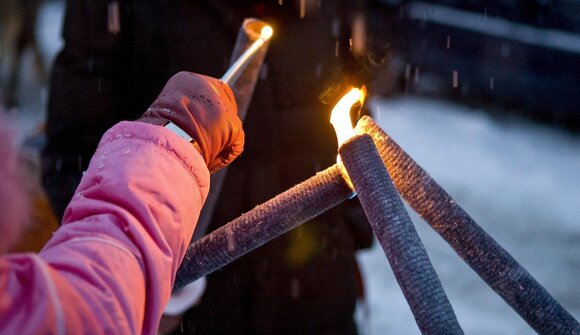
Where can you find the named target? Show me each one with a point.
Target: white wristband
(178, 131)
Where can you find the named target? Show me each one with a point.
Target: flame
(340, 116)
(266, 32)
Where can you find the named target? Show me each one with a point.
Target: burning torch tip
(266, 32)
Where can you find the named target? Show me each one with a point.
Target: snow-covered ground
(519, 181)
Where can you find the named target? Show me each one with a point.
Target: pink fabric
(110, 267)
(13, 198)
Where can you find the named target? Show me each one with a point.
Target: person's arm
(111, 266)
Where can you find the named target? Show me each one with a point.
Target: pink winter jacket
(110, 267)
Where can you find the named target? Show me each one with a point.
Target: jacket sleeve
(110, 267)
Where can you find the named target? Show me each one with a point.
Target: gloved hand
(205, 108)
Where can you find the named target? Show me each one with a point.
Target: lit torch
(391, 223)
(233, 73)
(246, 62)
(320, 193)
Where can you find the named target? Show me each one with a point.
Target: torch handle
(398, 237)
(480, 251)
(262, 224)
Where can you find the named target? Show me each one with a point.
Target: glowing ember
(340, 117)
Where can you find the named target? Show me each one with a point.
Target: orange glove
(205, 108)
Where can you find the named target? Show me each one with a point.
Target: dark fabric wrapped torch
(479, 250)
(392, 225)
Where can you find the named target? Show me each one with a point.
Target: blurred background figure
(18, 20)
(22, 62)
(42, 222)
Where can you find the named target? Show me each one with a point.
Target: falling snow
(519, 181)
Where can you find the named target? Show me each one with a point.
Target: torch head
(246, 61)
(266, 32)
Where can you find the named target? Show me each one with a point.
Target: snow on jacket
(110, 267)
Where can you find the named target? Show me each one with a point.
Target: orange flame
(340, 116)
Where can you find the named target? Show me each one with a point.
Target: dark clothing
(102, 77)
(304, 282)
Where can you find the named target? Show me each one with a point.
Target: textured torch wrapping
(478, 249)
(262, 224)
(398, 237)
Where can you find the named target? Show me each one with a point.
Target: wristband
(178, 131)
